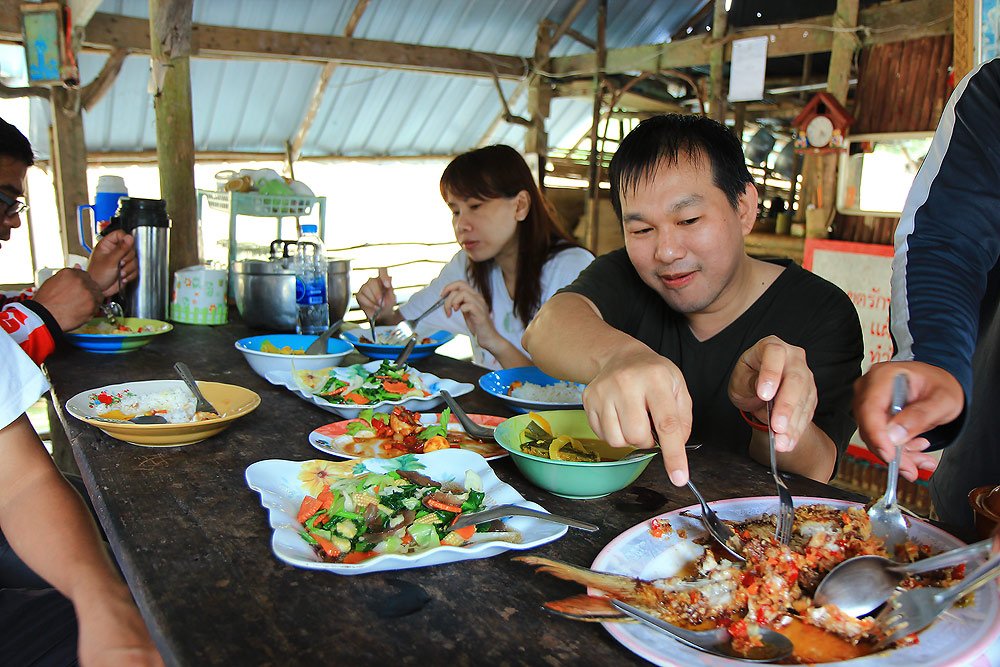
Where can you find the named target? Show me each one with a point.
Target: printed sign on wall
(862, 270)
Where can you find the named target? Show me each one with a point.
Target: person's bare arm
(49, 527)
(773, 370)
(632, 391)
(71, 296)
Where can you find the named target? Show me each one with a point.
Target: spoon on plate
(201, 403)
(774, 645)
(861, 584)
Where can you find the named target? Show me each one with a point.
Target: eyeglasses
(11, 207)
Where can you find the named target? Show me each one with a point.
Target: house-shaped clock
(822, 124)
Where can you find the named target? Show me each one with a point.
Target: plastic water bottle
(310, 283)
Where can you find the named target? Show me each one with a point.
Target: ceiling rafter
(109, 31)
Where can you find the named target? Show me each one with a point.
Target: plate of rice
(129, 333)
(528, 389)
(109, 409)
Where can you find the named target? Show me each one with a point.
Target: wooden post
(964, 41)
(536, 140)
(717, 62)
(170, 37)
(821, 169)
(594, 187)
(69, 161)
(739, 119)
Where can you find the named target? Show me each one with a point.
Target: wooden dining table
(194, 543)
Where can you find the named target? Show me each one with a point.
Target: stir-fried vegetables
(399, 512)
(403, 430)
(357, 386)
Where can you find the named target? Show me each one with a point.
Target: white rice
(560, 392)
(178, 403)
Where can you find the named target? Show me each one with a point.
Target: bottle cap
(310, 229)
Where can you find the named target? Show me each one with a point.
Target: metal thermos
(146, 220)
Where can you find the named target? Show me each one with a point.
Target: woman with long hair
(514, 257)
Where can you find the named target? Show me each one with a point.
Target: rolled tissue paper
(199, 296)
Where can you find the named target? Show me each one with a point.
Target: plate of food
(111, 407)
(700, 586)
(388, 435)
(378, 386)
(373, 515)
(528, 389)
(361, 339)
(129, 333)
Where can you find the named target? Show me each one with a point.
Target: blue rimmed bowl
(263, 363)
(499, 384)
(373, 351)
(117, 342)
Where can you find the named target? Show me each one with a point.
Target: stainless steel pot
(265, 291)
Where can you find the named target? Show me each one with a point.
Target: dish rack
(257, 205)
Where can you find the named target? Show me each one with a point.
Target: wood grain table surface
(194, 543)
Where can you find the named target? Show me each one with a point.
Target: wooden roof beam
(295, 145)
(881, 24)
(109, 31)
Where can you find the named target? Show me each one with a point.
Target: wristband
(752, 421)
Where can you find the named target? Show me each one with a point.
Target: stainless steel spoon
(319, 345)
(474, 430)
(112, 311)
(774, 645)
(886, 518)
(405, 352)
(201, 403)
(500, 511)
(861, 584)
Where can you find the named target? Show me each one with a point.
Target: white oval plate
(958, 636)
(281, 492)
(433, 383)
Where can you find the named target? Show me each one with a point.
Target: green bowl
(572, 479)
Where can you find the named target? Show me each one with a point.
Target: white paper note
(746, 71)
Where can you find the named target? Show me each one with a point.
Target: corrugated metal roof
(256, 106)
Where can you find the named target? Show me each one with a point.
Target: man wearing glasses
(61, 600)
(70, 297)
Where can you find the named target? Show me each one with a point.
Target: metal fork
(785, 518)
(913, 610)
(715, 526)
(407, 328)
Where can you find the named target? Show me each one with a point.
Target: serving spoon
(774, 645)
(886, 518)
(861, 584)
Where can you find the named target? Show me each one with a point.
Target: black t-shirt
(800, 308)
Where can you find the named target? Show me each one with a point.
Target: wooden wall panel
(902, 87)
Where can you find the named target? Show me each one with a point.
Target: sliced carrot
(356, 398)
(407, 538)
(308, 507)
(438, 505)
(396, 387)
(465, 533)
(325, 498)
(358, 556)
(326, 545)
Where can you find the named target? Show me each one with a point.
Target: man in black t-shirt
(681, 330)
